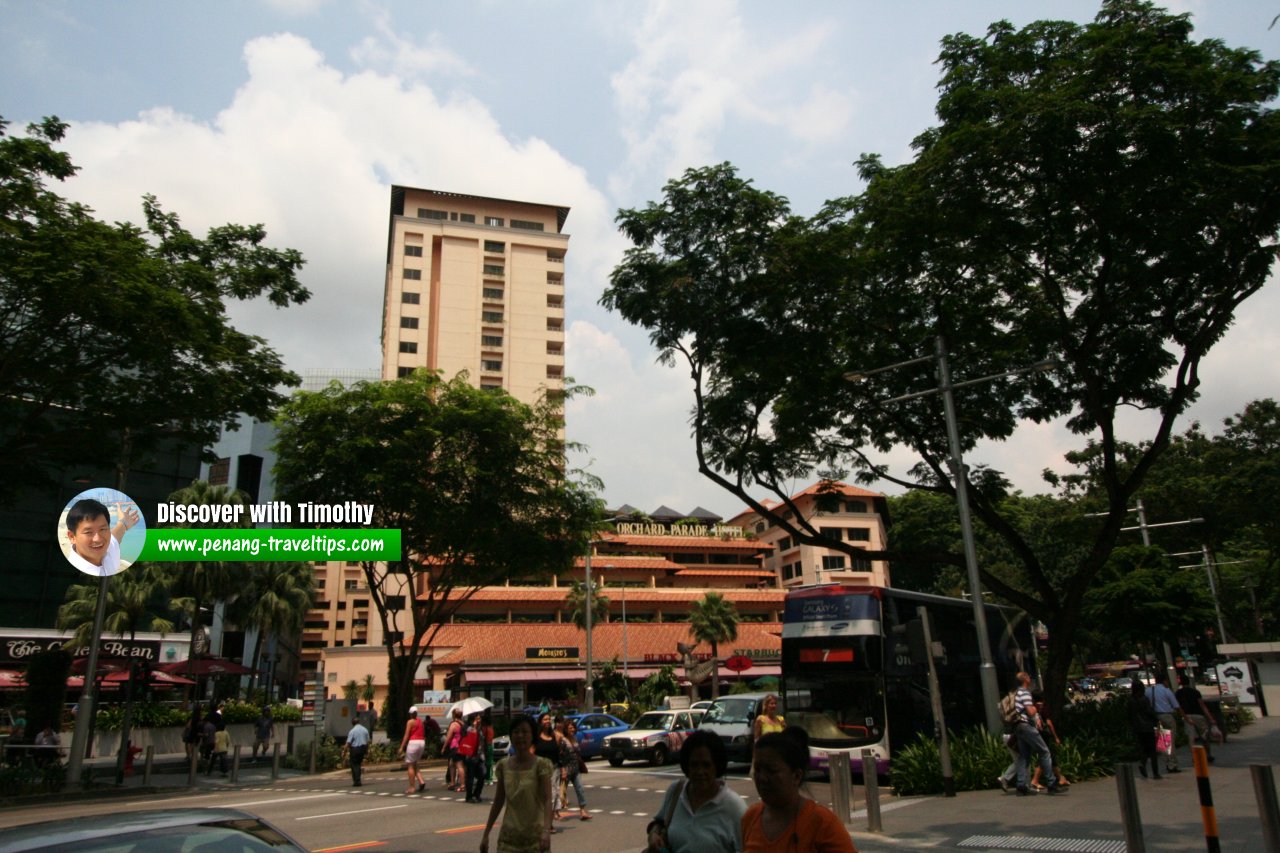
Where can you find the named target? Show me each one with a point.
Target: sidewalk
(1087, 816)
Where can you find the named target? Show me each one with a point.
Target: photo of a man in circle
(92, 542)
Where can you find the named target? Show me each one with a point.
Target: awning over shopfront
(516, 676)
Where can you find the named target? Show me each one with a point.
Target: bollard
(1264, 789)
(275, 761)
(1129, 814)
(315, 743)
(235, 764)
(871, 790)
(191, 766)
(1207, 814)
(146, 764)
(841, 785)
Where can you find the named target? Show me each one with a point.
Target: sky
(300, 114)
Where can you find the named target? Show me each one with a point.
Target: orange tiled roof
(724, 573)
(696, 543)
(504, 644)
(635, 595)
(626, 561)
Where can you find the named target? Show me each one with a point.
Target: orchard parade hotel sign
(719, 531)
(19, 649)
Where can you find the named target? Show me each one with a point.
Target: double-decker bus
(849, 678)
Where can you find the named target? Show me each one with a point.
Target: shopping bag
(1215, 734)
(1164, 740)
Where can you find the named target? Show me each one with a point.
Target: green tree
(475, 481)
(610, 685)
(114, 337)
(576, 601)
(275, 602)
(1103, 195)
(136, 601)
(713, 619)
(658, 686)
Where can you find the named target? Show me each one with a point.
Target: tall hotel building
(475, 284)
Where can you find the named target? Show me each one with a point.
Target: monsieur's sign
(15, 649)
(551, 654)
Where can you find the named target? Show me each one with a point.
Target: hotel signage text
(708, 530)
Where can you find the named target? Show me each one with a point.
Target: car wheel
(659, 756)
(615, 760)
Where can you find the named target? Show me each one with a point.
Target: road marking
(359, 845)
(341, 814)
(458, 829)
(619, 811)
(639, 814)
(283, 800)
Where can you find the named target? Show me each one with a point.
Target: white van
(732, 718)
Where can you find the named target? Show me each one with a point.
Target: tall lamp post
(589, 691)
(986, 668)
(87, 708)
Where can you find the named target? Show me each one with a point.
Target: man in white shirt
(95, 544)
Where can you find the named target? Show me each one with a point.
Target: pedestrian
(1042, 711)
(487, 721)
(767, 721)
(1142, 725)
(355, 748)
(411, 746)
(471, 751)
(524, 791)
(453, 772)
(1195, 713)
(208, 739)
(1027, 733)
(547, 745)
(47, 742)
(784, 820)
(571, 766)
(264, 729)
(192, 732)
(1165, 704)
(221, 746)
(700, 813)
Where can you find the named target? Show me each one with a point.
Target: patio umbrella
(10, 678)
(765, 682)
(201, 667)
(155, 677)
(471, 705)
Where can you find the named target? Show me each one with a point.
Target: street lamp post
(87, 709)
(986, 667)
(589, 690)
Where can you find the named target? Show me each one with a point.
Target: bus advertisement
(851, 681)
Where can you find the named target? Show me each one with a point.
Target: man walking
(1195, 713)
(356, 746)
(1030, 742)
(1167, 711)
(264, 729)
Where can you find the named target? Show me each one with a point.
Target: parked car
(188, 829)
(731, 717)
(593, 729)
(704, 705)
(656, 737)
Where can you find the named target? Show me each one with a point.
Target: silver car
(167, 831)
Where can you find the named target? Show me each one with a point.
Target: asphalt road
(326, 814)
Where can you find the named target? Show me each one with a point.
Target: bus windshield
(837, 709)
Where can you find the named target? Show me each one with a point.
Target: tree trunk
(715, 670)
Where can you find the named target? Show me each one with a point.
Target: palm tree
(714, 620)
(576, 599)
(276, 602)
(133, 604)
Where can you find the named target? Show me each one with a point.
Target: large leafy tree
(1104, 195)
(474, 479)
(114, 337)
(713, 619)
(275, 602)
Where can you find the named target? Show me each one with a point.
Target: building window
(413, 275)
(555, 348)
(402, 372)
(453, 217)
(860, 534)
(555, 301)
(861, 564)
(491, 340)
(413, 251)
(468, 217)
(408, 346)
(428, 213)
(495, 246)
(410, 298)
(351, 585)
(555, 324)
(555, 371)
(487, 385)
(491, 316)
(495, 221)
(855, 506)
(833, 561)
(836, 533)
(220, 472)
(555, 257)
(490, 365)
(527, 225)
(408, 322)
(493, 294)
(493, 269)
(784, 544)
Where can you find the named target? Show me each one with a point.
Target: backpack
(1009, 708)
(468, 744)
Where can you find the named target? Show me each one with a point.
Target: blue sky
(299, 113)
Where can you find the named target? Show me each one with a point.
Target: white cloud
(389, 51)
(296, 8)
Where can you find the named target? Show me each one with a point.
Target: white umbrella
(471, 705)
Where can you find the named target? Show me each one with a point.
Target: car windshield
(730, 711)
(654, 721)
(239, 835)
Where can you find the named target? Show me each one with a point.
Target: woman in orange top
(784, 821)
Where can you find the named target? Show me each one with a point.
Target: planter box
(168, 740)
